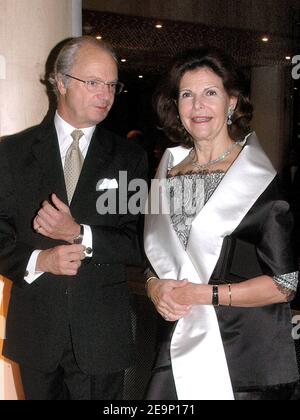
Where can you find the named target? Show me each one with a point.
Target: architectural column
(269, 94)
(29, 30)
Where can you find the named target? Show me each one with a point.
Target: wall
(29, 29)
(272, 110)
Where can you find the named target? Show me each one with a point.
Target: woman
(222, 267)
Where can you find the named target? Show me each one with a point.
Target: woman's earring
(229, 116)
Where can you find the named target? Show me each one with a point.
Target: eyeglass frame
(100, 82)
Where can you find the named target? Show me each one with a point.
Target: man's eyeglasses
(115, 88)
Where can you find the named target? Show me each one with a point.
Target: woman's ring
(165, 317)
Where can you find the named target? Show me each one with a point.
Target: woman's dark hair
(166, 96)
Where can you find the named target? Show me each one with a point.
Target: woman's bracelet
(230, 294)
(215, 295)
(147, 282)
(151, 278)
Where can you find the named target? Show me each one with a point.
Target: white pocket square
(107, 184)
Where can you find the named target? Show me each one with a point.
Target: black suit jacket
(95, 303)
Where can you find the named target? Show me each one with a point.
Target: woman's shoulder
(178, 153)
(276, 191)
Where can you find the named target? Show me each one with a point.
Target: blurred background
(263, 37)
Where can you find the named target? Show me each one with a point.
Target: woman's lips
(201, 120)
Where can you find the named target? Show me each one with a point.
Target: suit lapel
(46, 152)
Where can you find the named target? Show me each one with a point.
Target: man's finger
(43, 216)
(48, 209)
(35, 224)
(61, 206)
(78, 249)
(70, 271)
(74, 257)
(42, 223)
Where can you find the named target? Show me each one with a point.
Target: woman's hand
(161, 294)
(192, 294)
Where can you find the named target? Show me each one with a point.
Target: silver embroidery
(288, 281)
(188, 195)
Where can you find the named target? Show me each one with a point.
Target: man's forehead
(93, 52)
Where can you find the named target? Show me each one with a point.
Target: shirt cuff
(87, 241)
(31, 274)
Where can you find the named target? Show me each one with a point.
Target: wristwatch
(78, 239)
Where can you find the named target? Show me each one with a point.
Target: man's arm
(14, 255)
(115, 245)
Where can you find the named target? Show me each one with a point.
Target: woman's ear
(233, 102)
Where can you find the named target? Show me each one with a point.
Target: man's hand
(62, 260)
(55, 221)
(160, 292)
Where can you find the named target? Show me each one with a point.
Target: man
(69, 323)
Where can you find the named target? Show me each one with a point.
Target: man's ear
(60, 85)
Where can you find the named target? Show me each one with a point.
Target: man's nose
(104, 93)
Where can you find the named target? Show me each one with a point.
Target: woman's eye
(211, 93)
(185, 95)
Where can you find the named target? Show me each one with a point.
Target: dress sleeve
(289, 281)
(275, 251)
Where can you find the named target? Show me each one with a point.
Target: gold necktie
(73, 164)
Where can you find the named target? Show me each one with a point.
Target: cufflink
(88, 251)
(26, 273)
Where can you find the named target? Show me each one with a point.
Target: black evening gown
(258, 344)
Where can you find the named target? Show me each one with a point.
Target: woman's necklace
(213, 162)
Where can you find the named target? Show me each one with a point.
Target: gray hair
(67, 56)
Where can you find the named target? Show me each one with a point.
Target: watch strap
(78, 239)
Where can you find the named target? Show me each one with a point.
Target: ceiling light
(123, 60)
(141, 76)
(158, 26)
(265, 39)
(99, 37)
(288, 57)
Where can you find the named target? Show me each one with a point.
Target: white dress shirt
(65, 140)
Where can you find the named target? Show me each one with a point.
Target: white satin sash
(198, 359)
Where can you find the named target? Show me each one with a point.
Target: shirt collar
(64, 131)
